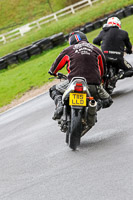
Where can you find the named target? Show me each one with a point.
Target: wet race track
(36, 164)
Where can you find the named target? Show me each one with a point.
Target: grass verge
(66, 24)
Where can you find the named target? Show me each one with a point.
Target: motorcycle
(79, 111)
(112, 76)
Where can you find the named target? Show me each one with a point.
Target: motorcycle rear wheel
(76, 129)
(68, 132)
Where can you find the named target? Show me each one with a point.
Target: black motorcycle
(112, 76)
(79, 111)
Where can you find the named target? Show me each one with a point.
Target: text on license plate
(77, 99)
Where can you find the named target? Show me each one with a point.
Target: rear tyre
(68, 133)
(76, 129)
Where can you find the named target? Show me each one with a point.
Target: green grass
(14, 13)
(34, 73)
(65, 24)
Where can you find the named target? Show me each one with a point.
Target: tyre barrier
(128, 11)
(97, 24)
(103, 21)
(44, 44)
(3, 64)
(66, 37)
(89, 28)
(34, 50)
(10, 59)
(120, 14)
(58, 39)
(22, 54)
(82, 29)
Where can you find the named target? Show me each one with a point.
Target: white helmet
(114, 21)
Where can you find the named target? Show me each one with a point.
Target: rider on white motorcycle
(83, 60)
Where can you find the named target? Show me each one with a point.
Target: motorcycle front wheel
(75, 129)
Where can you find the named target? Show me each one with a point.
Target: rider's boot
(107, 102)
(57, 97)
(59, 107)
(128, 73)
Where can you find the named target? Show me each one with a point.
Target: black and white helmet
(77, 36)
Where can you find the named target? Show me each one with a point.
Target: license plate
(77, 99)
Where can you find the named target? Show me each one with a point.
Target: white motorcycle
(79, 111)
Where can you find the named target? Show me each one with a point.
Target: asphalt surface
(36, 164)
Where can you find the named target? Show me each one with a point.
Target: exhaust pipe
(92, 112)
(92, 107)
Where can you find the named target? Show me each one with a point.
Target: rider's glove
(128, 51)
(52, 74)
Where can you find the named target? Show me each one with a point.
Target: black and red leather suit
(83, 60)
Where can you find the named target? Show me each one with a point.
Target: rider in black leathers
(113, 41)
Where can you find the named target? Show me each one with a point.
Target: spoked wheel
(76, 128)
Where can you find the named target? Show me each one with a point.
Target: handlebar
(60, 76)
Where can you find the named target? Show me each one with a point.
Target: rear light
(78, 87)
